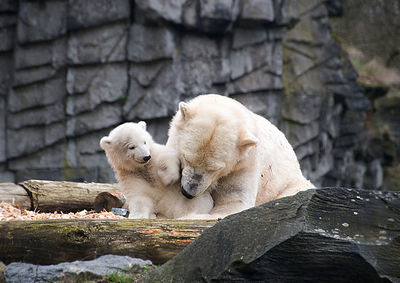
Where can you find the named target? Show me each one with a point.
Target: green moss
(336, 38)
(123, 97)
(118, 278)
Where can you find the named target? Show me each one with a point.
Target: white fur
(150, 186)
(238, 156)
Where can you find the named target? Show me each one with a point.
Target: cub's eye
(144, 142)
(132, 147)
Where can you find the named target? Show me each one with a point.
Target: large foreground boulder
(323, 235)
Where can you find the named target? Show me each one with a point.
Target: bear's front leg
(141, 207)
(169, 169)
(234, 194)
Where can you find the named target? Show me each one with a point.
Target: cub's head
(128, 145)
(211, 144)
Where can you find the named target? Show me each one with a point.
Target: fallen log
(55, 241)
(49, 196)
(107, 201)
(14, 194)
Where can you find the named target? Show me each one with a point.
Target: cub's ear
(247, 140)
(184, 108)
(142, 124)
(105, 142)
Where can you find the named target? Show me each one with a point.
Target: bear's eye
(132, 147)
(144, 142)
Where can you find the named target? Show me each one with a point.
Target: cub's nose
(147, 158)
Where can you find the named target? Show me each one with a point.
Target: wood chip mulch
(9, 212)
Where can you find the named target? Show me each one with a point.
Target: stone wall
(73, 69)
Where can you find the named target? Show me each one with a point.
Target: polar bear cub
(147, 173)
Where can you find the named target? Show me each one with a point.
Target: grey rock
(324, 164)
(257, 10)
(157, 101)
(145, 74)
(7, 38)
(345, 90)
(8, 6)
(59, 174)
(358, 102)
(159, 129)
(5, 73)
(302, 59)
(335, 8)
(95, 160)
(52, 157)
(142, 46)
(330, 116)
(308, 111)
(322, 28)
(38, 21)
(196, 47)
(7, 177)
(40, 94)
(259, 80)
(196, 76)
(307, 149)
(373, 178)
(323, 235)
(76, 271)
(248, 36)
(159, 9)
(218, 16)
(32, 75)
(100, 45)
(3, 155)
(102, 117)
(352, 122)
(31, 139)
(89, 144)
(298, 134)
(88, 13)
(37, 116)
(49, 53)
(93, 85)
(106, 175)
(266, 104)
(7, 20)
(189, 15)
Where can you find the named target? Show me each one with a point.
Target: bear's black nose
(147, 158)
(186, 194)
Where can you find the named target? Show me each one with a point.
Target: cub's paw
(168, 176)
(169, 172)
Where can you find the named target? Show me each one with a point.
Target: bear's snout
(146, 158)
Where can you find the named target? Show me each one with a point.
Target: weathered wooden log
(14, 194)
(106, 201)
(49, 196)
(55, 241)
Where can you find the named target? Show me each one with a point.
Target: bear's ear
(247, 140)
(104, 142)
(142, 124)
(184, 108)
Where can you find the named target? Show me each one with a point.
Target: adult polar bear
(238, 156)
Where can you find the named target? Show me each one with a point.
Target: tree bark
(55, 241)
(49, 196)
(14, 194)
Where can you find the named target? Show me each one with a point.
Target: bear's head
(212, 141)
(128, 145)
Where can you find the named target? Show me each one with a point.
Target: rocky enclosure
(70, 70)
